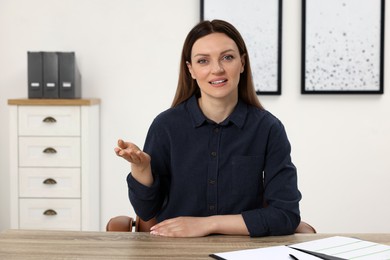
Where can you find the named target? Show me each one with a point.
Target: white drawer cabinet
(49, 121)
(55, 171)
(49, 151)
(49, 182)
(59, 214)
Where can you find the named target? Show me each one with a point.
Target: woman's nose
(218, 68)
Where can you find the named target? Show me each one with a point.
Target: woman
(216, 161)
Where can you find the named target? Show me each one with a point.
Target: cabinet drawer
(49, 182)
(49, 151)
(49, 120)
(50, 214)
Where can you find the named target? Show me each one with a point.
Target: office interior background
(128, 53)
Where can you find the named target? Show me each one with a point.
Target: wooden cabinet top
(54, 102)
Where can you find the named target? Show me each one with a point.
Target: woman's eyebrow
(202, 55)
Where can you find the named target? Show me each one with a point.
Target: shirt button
(216, 130)
(213, 154)
(211, 207)
(212, 182)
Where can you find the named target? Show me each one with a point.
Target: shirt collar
(237, 117)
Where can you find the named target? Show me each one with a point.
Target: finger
(165, 226)
(161, 224)
(120, 152)
(122, 144)
(168, 231)
(128, 155)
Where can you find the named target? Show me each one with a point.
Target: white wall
(128, 53)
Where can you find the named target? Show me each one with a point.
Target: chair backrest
(120, 224)
(303, 227)
(144, 226)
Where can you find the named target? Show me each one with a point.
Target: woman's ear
(243, 62)
(189, 66)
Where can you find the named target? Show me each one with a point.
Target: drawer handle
(49, 119)
(50, 150)
(49, 181)
(50, 212)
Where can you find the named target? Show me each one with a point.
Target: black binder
(35, 74)
(50, 75)
(69, 76)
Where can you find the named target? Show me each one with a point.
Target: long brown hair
(187, 86)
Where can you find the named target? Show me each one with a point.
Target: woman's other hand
(201, 226)
(182, 227)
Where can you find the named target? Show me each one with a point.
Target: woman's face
(216, 65)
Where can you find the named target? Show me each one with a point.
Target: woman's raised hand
(131, 153)
(140, 161)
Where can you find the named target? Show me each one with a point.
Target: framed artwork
(342, 46)
(260, 24)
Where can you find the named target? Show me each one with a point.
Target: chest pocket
(247, 175)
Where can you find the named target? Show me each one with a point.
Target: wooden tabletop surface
(35, 244)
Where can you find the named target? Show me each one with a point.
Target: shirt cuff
(141, 191)
(254, 221)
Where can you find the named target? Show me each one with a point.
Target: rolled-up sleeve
(147, 201)
(144, 199)
(280, 214)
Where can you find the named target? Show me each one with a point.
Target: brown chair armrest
(303, 227)
(120, 224)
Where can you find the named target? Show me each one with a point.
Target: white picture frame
(260, 24)
(342, 46)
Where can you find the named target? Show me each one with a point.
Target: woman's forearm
(228, 225)
(201, 226)
(142, 175)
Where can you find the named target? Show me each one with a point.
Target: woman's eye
(228, 57)
(202, 61)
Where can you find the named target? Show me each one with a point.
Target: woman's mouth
(218, 82)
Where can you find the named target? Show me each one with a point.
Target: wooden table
(33, 244)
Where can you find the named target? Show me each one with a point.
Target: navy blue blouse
(201, 168)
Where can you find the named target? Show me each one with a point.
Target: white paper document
(347, 248)
(273, 252)
(336, 247)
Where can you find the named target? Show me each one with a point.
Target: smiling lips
(219, 82)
